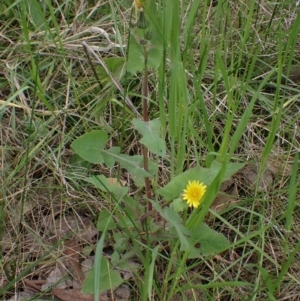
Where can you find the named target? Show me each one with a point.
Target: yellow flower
(193, 193)
(138, 4)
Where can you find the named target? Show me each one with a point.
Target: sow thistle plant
(130, 221)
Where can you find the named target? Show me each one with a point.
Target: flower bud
(142, 22)
(148, 35)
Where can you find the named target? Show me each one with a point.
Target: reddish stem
(146, 119)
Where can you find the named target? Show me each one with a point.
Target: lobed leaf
(102, 183)
(206, 175)
(210, 242)
(89, 146)
(150, 131)
(109, 278)
(105, 221)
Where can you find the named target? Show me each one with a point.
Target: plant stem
(146, 119)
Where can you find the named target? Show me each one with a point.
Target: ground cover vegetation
(149, 150)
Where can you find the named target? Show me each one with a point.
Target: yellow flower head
(138, 4)
(193, 193)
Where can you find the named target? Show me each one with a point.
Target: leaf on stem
(89, 146)
(151, 133)
(207, 242)
(108, 280)
(205, 175)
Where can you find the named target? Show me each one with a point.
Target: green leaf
(136, 60)
(210, 242)
(133, 209)
(128, 221)
(77, 163)
(108, 159)
(105, 221)
(150, 131)
(109, 278)
(152, 166)
(115, 258)
(174, 188)
(89, 146)
(37, 15)
(104, 185)
(121, 242)
(179, 205)
(174, 219)
(114, 64)
(131, 163)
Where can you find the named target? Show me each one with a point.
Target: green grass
(223, 80)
